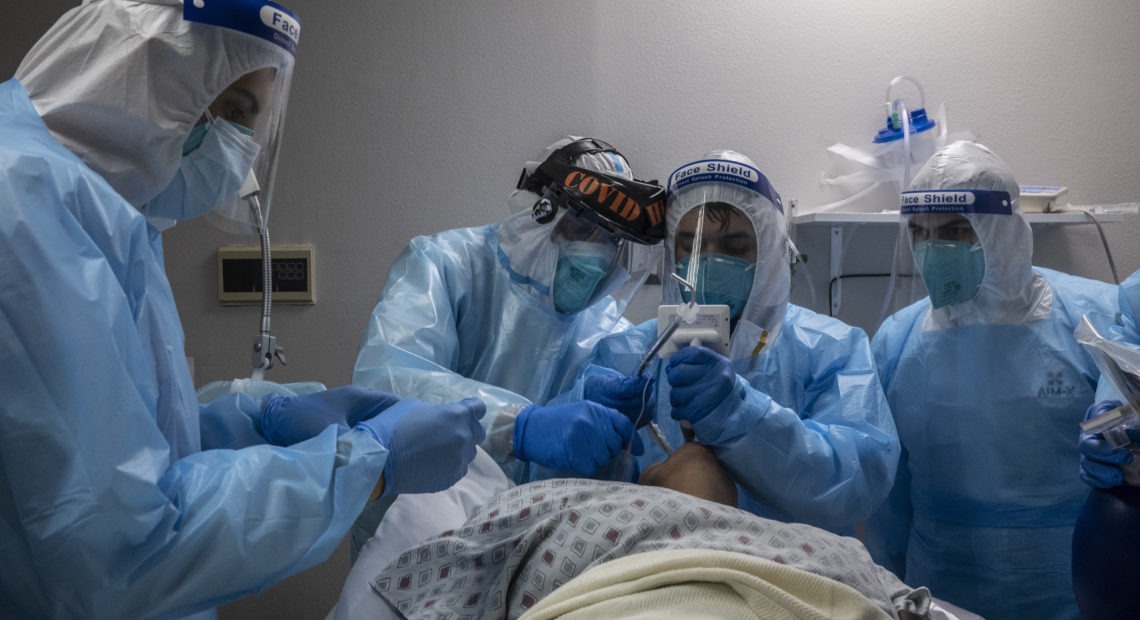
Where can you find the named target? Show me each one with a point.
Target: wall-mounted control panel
(240, 277)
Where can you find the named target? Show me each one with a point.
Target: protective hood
(729, 177)
(124, 95)
(1010, 291)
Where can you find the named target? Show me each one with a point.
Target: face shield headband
(713, 184)
(261, 109)
(956, 201)
(631, 209)
(724, 171)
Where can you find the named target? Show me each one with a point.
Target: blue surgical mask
(581, 268)
(721, 279)
(198, 133)
(216, 158)
(951, 270)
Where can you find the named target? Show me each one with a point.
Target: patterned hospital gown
(531, 539)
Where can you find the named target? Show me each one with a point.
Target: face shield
(728, 241)
(716, 251)
(948, 255)
(965, 244)
(587, 255)
(622, 206)
(254, 104)
(587, 208)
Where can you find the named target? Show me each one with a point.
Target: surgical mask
(581, 268)
(721, 279)
(951, 270)
(216, 158)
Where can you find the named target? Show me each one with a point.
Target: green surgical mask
(951, 270)
(581, 268)
(721, 279)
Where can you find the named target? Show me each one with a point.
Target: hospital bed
(412, 520)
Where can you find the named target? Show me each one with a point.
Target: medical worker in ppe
(1103, 466)
(114, 505)
(509, 311)
(987, 386)
(1107, 532)
(794, 412)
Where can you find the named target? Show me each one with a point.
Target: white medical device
(704, 325)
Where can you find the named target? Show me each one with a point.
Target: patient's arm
(693, 469)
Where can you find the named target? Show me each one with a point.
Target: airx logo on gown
(1055, 386)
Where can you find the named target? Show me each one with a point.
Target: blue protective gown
(987, 492)
(813, 440)
(110, 504)
(468, 312)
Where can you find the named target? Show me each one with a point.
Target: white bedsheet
(411, 520)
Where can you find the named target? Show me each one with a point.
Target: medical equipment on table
(1041, 198)
(868, 178)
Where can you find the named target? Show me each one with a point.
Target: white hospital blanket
(702, 583)
(531, 539)
(411, 520)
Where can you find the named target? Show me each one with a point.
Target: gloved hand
(286, 420)
(701, 379)
(580, 436)
(429, 446)
(1101, 464)
(626, 394)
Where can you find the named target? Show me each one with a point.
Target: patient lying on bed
(572, 548)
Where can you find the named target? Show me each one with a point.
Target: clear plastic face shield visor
(624, 207)
(939, 253)
(717, 244)
(255, 102)
(588, 261)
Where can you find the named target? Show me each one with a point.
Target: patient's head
(692, 469)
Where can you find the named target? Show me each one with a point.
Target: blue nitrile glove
(580, 436)
(429, 445)
(1101, 464)
(626, 394)
(286, 420)
(700, 380)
